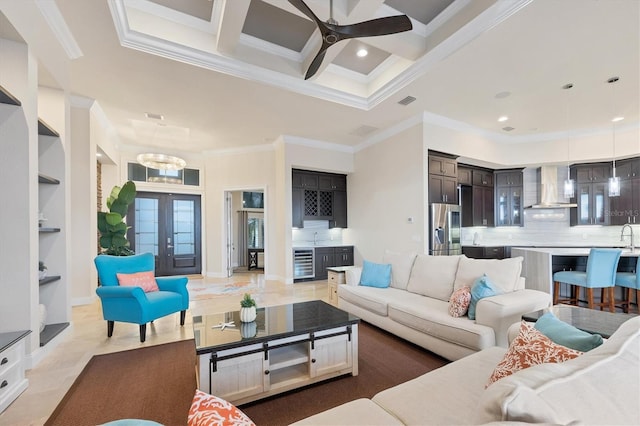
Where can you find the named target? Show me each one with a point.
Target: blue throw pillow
(375, 275)
(482, 287)
(567, 335)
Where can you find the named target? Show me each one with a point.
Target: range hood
(547, 190)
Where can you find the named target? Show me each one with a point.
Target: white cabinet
(12, 366)
(247, 373)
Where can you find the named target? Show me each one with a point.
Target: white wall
(232, 172)
(386, 189)
(83, 212)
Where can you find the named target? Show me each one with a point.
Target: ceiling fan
(333, 33)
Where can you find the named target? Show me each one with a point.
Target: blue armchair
(132, 304)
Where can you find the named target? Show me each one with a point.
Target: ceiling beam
(233, 14)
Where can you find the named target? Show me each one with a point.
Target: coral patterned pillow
(459, 302)
(209, 410)
(146, 280)
(530, 348)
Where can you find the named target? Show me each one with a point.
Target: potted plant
(112, 227)
(247, 308)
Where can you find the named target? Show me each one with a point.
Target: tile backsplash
(548, 227)
(316, 232)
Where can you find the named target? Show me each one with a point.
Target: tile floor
(52, 377)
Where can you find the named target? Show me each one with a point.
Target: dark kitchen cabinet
(343, 256)
(319, 196)
(486, 252)
(482, 205)
(443, 166)
(508, 177)
(626, 207)
(443, 189)
(326, 257)
(482, 177)
(592, 173)
(628, 169)
(443, 179)
(333, 182)
(302, 179)
(593, 204)
(297, 207)
(476, 196)
(465, 175)
(339, 210)
(508, 198)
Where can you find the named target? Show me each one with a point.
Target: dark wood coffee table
(286, 347)
(590, 320)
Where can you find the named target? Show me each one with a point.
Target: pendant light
(614, 181)
(569, 184)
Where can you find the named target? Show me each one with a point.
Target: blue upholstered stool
(601, 273)
(629, 281)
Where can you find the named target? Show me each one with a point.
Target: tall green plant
(113, 229)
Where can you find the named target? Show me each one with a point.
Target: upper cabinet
(477, 196)
(319, 196)
(591, 194)
(626, 207)
(444, 166)
(508, 198)
(443, 179)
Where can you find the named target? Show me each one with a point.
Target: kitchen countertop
(307, 246)
(574, 251)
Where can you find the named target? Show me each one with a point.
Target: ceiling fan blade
(375, 27)
(315, 64)
(302, 7)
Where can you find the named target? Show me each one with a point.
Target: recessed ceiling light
(362, 53)
(616, 119)
(98, 154)
(503, 119)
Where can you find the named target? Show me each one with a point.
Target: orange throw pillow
(146, 280)
(459, 302)
(530, 348)
(209, 410)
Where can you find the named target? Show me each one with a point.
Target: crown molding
(313, 143)
(251, 149)
(57, 24)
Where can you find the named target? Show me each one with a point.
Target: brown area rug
(153, 383)
(158, 382)
(384, 361)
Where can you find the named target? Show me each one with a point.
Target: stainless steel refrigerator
(444, 229)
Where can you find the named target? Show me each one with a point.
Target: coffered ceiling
(229, 74)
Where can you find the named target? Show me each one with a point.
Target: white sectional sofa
(599, 387)
(415, 305)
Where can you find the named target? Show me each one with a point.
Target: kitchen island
(540, 264)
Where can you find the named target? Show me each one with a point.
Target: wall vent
(154, 116)
(364, 130)
(406, 101)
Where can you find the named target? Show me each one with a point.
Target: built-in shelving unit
(48, 230)
(50, 331)
(47, 179)
(49, 279)
(51, 203)
(8, 98)
(45, 130)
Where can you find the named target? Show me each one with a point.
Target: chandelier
(161, 161)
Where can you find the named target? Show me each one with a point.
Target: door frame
(227, 226)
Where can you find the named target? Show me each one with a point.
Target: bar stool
(629, 281)
(601, 273)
